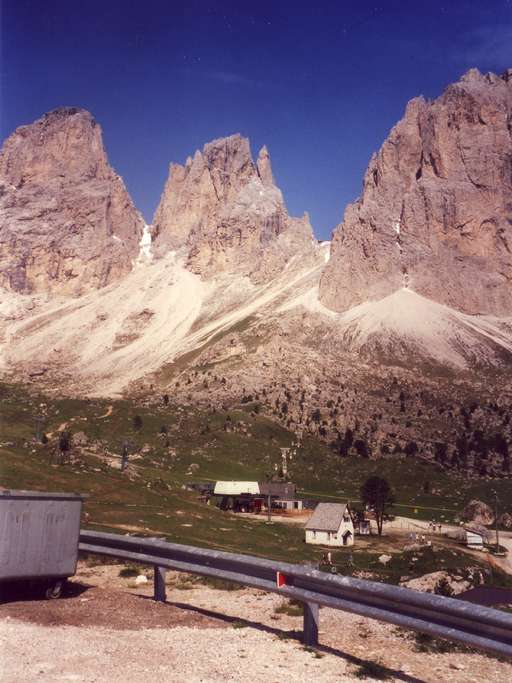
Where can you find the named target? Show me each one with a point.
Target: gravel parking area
(108, 630)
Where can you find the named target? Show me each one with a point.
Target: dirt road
(408, 525)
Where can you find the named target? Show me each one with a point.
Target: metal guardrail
(480, 627)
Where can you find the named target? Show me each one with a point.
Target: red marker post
(280, 579)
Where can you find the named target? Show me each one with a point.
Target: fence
(480, 627)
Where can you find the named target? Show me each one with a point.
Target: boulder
(428, 582)
(478, 512)
(80, 439)
(505, 520)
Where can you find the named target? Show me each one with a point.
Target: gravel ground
(107, 631)
(66, 653)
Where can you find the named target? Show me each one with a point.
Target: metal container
(39, 535)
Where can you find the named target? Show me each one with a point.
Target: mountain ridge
(226, 298)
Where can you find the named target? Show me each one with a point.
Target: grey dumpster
(39, 535)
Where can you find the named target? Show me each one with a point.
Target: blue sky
(320, 84)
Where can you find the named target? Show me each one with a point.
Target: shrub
(239, 624)
(293, 608)
(427, 643)
(64, 441)
(219, 584)
(362, 448)
(411, 448)
(129, 571)
(372, 670)
(443, 587)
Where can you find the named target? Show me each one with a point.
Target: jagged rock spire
(265, 167)
(228, 215)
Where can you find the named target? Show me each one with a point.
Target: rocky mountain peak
(471, 75)
(64, 142)
(435, 214)
(67, 223)
(225, 210)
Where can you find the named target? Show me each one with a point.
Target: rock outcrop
(225, 210)
(478, 512)
(67, 223)
(435, 214)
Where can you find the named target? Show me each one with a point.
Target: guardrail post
(311, 621)
(160, 584)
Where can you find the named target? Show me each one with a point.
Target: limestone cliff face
(225, 210)
(435, 214)
(67, 223)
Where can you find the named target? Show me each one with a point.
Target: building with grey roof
(330, 524)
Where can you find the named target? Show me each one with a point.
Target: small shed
(330, 524)
(363, 527)
(476, 537)
(289, 505)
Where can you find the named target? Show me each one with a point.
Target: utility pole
(269, 479)
(285, 454)
(496, 521)
(39, 420)
(124, 456)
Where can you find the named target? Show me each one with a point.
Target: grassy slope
(145, 504)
